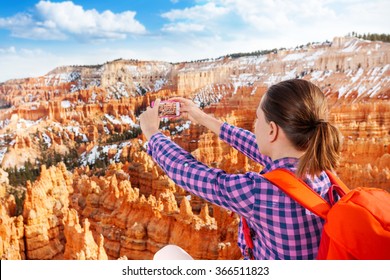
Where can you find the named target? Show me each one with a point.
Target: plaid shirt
(282, 228)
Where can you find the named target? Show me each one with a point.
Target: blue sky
(38, 35)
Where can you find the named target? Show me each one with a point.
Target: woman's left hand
(150, 121)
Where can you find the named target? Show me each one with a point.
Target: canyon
(111, 201)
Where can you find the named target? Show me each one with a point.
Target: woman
(292, 132)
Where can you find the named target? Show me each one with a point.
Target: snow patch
(127, 120)
(315, 75)
(66, 104)
(351, 46)
(373, 91)
(271, 80)
(357, 76)
(342, 91)
(4, 123)
(250, 60)
(158, 84)
(3, 151)
(184, 126)
(76, 131)
(112, 119)
(294, 56)
(290, 74)
(23, 124)
(46, 139)
(315, 55)
(361, 89)
(99, 152)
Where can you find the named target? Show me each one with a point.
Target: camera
(168, 109)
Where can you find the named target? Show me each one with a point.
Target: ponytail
(300, 109)
(323, 151)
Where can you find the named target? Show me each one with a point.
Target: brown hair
(300, 109)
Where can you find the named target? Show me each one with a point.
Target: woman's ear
(273, 131)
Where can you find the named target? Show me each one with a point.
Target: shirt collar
(290, 163)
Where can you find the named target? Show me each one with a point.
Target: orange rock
(80, 244)
(11, 230)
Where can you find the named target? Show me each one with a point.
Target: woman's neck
(283, 148)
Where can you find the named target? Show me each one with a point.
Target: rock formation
(80, 244)
(43, 213)
(11, 228)
(117, 221)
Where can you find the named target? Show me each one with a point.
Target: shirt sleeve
(235, 192)
(244, 141)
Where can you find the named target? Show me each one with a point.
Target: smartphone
(168, 109)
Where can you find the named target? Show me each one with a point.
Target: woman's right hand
(149, 120)
(190, 110)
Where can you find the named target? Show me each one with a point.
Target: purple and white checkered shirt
(283, 229)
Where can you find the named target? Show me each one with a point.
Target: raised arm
(242, 140)
(195, 114)
(235, 192)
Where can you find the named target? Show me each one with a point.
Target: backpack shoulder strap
(336, 181)
(298, 190)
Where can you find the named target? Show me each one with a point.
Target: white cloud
(35, 62)
(58, 21)
(204, 12)
(22, 63)
(182, 27)
(367, 16)
(195, 18)
(10, 50)
(19, 20)
(262, 15)
(278, 22)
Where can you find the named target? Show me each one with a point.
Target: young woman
(292, 132)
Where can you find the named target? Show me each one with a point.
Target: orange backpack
(357, 226)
